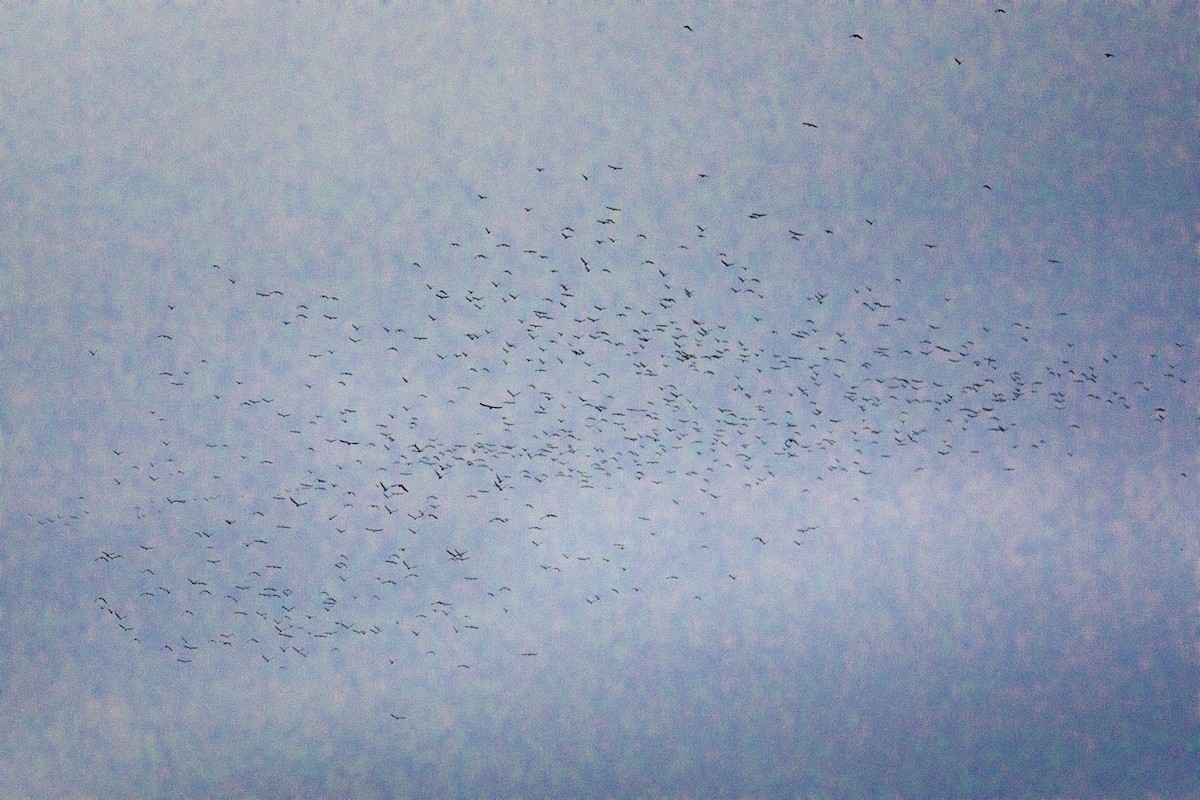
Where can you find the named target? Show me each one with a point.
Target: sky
(599, 401)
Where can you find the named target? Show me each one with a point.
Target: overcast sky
(599, 402)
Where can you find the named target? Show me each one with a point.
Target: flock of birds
(384, 448)
(330, 468)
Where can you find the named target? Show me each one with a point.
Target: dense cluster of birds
(554, 357)
(334, 468)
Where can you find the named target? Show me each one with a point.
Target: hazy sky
(599, 401)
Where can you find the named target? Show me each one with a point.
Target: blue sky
(811, 389)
